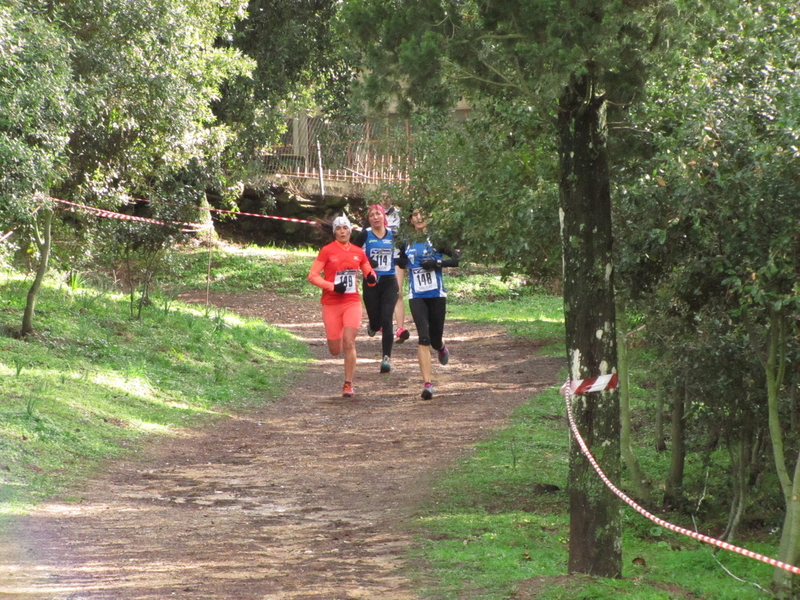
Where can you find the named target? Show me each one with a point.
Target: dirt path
(308, 498)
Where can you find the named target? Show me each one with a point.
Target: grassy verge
(500, 523)
(93, 383)
(481, 295)
(231, 268)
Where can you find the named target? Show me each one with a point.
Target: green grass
(230, 268)
(93, 383)
(497, 521)
(525, 313)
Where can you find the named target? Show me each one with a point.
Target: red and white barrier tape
(611, 382)
(258, 215)
(233, 212)
(593, 384)
(186, 227)
(100, 212)
(637, 330)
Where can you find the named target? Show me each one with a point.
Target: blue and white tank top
(421, 282)
(381, 250)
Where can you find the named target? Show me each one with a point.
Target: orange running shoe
(347, 390)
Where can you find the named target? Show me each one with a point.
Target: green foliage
(416, 52)
(488, 186)
(717, 198)
(146, 72)
(35, 109)
(707, 215)
(298, 67)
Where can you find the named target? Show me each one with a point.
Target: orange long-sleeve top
(337, 263)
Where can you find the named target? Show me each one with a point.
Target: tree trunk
(793, 414)
(660, 439)
(43, 243)
(775, 368)
(640, 483)
(740, 468)
(595, 521)
(673, 494)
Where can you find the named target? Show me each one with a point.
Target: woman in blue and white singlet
(377, 240)
(393, 223)
(427, 296)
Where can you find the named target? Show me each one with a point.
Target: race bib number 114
(384, 259)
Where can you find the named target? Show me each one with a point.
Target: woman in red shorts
(335, 271)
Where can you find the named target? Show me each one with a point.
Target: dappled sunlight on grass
(236, 268)
(92, 382)
(152, 427)
(134, 386)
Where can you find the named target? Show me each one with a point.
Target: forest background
(696, 103)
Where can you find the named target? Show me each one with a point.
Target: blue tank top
(422, 283)
(381, 250)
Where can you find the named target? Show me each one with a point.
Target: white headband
(341, 222)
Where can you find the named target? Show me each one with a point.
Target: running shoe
(371, 332)
(347, 390)
(386, 366)
(427, 392)
(444, 355)
(401, 336)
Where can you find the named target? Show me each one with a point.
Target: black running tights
(428, 314)
(380, 301)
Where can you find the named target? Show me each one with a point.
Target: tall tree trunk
(774, 362)
(591, 341)
(43, 243)
(739, 453)
(639, 481)
(660, 438)
(793, 398)
(673, 493)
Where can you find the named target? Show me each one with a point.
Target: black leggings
(428, 316)
(380, 301)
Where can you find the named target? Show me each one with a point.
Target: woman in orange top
(335, 271)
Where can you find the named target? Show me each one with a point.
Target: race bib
(383, 257)
(348, 278)
(424, 281)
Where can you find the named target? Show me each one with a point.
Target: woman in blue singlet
(427, 296)
(378, 243)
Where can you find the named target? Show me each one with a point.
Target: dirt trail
(309, 497)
